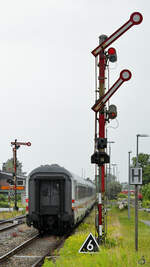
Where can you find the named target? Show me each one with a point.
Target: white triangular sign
(89, 245)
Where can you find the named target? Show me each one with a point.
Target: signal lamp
(100, 158)
(10, 181)
(113, 115)
(112, 55)
(112, 112)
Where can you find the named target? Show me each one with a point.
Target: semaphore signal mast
(100, 157)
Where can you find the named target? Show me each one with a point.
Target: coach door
(51, 196)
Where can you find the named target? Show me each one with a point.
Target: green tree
(143, 159)
(146, 174)
(8, 166)
(144, 162)
(146, 191)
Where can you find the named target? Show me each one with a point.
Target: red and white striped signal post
(16, 145)
(102, 64)
(99, 107)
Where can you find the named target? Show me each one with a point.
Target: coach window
(81, 192)
(87, 191)
(76, 192)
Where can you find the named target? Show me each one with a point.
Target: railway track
(14, 222)
(58, 245)
(12, 219)
(12, 252)
(40, 261)
(31, 252)
(34, 251)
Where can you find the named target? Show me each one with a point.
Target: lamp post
(136, 192)
(114, 172)
(108, 180)
(129, 184)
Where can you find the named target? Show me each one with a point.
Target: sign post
(90, 245)
(136, 179)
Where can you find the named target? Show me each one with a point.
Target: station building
(6, 183)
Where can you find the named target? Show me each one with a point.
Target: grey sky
(47, 80)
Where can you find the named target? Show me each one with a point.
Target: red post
(102, 62)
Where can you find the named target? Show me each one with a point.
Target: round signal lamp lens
(111, 51)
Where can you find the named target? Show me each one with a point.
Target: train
(57, 199)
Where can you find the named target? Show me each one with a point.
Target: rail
(18, 248)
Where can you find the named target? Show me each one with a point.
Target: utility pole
(16, 146)
(109, 168)
(136, 190)
(129, 184)
(114, 165)
(136, 201)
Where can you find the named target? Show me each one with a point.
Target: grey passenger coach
(57, 199)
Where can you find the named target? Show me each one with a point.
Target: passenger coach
(57, 199)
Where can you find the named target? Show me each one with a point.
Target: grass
(128, 231)
(4, 215)
(119, 250)
(10, 214)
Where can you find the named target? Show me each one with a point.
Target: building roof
(7, 175)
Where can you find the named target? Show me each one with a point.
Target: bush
(121, 195)
(4, 204)
(3, 197)
(146, 191)
(146, 203)
(18, 197)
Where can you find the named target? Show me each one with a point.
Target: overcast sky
(47, 81)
